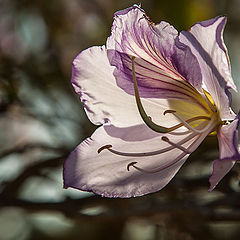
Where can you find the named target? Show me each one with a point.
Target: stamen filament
(147, 119)
(186, 132)
(165, 139)
(191, 148)
(147, 154)
(186, 123)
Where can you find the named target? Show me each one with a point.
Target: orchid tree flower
(156, 94)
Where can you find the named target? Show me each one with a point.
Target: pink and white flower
(157, 94)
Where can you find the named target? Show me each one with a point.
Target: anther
(226, 122)
(169, 111)
(133, 164)
(130, 164)
(104, 147)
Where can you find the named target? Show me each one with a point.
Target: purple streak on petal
(206, 42)
(187, 65)
(133, 34)
(208, 23)
(125, 11)
(219, 33)
(221, 92)
(152, 82)
(161, 64)
(205, 56)
(219, 29)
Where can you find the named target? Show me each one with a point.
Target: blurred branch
(11, 188)
(31, 146)
(118, 209)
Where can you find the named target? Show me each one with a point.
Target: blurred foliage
(42, 120)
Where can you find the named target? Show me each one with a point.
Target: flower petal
(105, 102)
(153, 81)
(206, 42)
(106, 173)
(229, 154)
(161, 67)
(135, 35)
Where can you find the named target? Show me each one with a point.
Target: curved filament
(190, 149)
(175, 145)
(188, 131)
(187, 125)
(155, 127)
(174, 161)
(147, 154)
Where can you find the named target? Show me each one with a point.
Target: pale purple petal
(162, 69)
(133, 34)
(106, 173)
(220, 168)
(229, 154)
(106, 103)
(152, 81)
(228, 139)
(206, 42)
(187, 64)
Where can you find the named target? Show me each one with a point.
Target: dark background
(42, 120)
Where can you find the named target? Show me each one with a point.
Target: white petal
(206, 42)
(106, 173)
(105, 102)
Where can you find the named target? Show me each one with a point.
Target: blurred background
(42, 120)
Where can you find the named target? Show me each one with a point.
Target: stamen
(169, 111)
(145, 117)
(226, 122)
(133, 164)
(130, 164)
(191, 148)
(165, 139)
(186, 123)
(147, 154)
(188, 131)
(104, 147)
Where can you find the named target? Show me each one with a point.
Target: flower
(157, 94)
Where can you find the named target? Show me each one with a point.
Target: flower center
(193, 130)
